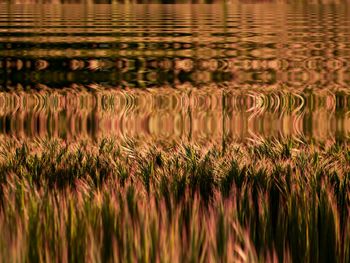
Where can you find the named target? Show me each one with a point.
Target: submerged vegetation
(271, 201)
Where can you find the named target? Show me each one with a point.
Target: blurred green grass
(264, 202)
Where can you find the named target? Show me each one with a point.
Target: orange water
(186, 72)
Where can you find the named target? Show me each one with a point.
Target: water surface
(184, 72)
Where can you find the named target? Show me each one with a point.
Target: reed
(270, 201)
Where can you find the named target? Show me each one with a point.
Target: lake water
(184, 72)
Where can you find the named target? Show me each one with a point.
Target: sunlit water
(184, 72)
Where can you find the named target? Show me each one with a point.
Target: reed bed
(270, 201)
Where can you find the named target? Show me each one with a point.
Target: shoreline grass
(264, 202)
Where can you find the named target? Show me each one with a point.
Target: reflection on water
(188, 114)
(202, 73)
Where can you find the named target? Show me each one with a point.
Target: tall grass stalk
(264, 202)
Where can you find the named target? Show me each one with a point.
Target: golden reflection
(220, 72)
(187, 114)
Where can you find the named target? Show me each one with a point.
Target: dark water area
(227, 71)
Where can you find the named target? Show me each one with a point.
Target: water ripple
(201, 73)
